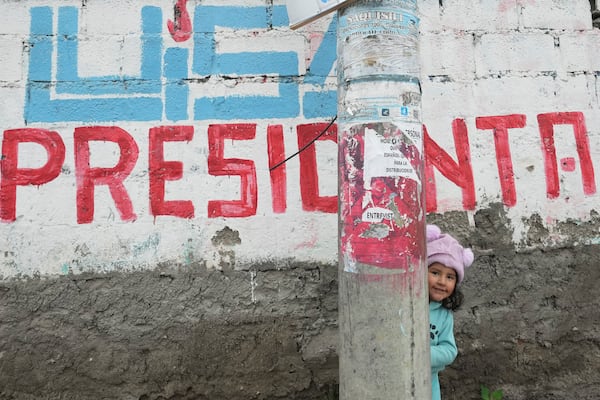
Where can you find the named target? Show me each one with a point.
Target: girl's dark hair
(454, 301)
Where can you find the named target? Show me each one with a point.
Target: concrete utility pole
(383, 300)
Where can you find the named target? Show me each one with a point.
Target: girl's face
(442, 281)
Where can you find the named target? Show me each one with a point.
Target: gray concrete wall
(173, 333)
(529, 324)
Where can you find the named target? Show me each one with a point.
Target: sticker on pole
(301, 12)
(381, 197)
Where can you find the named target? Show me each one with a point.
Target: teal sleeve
(445, 351)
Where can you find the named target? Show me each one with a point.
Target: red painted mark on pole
(161, 171)
(577, 120)
(276, 153)
(220, 166)
(12, 176)
(181, 28)
(88, 177)
(500, 126)
(460, 172)
(309, 177)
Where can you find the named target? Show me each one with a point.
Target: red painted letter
(161, 171)
(181, 28)
(245, 169)
(500, 125)
(88, 177)
(309, 178)
(11, 176)
(460, 173)
(547, 122)
(276, 152)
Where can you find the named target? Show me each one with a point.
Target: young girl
(446, 262)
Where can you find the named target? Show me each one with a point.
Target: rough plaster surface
(171, 334)
(528, 326)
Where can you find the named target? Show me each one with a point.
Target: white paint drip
(253, 284)
(402, 326)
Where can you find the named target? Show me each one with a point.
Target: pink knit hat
(446, 250)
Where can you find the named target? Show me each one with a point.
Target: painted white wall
(491, 58)
(479, 59)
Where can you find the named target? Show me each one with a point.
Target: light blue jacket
(442, 344)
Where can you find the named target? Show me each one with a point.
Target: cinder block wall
(147, 251)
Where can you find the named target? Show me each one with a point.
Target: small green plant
(487, 395)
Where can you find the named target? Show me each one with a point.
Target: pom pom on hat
(446, 250)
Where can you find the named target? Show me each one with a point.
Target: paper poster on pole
(381, 196)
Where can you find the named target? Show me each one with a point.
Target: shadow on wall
(595, 13)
